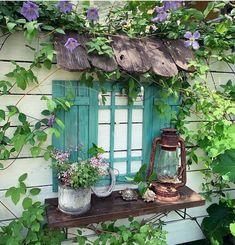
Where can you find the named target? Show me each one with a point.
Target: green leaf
(1, 165)
(51, 105)
(129, 178)
(35, 191)
(216, 224)
(45, 113)
(23, 177)
(48, 28)
(224, 165)
(221, 28)
(208, 9)
(14, 193)
(11, 26)
(22, 118)
(18, 141)
(12, 110)
(47, 155)
(59, 30)
(27, 202)
(54, 131)
(35, 151)
(41, 136)
(232, 229)
(38, 125)
(60, 123)
(2, 115)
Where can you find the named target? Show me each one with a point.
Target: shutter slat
(81, 121)
(58, 91)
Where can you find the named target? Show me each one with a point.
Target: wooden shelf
(114, 207)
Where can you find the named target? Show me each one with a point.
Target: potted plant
(75, 181)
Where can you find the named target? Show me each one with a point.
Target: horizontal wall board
(15, 48)
(221, 66)
(217, 79)
(44, 76)
(39, 172)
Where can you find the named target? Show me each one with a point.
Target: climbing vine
(211, 41)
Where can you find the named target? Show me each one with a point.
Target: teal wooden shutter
(81, 122)
(153, 120)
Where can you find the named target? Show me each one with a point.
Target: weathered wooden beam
(160, 59)
(71, 61)
(130, 54)
(180, 54)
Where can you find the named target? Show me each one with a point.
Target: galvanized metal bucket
(73, 201)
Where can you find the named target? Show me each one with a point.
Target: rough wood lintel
(113, 207)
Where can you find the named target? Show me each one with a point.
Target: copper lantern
(171, 165)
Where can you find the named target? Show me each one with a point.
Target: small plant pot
(74, 201)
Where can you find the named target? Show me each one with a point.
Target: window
(124, 131)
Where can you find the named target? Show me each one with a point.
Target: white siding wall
(39, 172)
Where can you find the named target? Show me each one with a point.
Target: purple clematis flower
(51, 121)
(30, 11)
(161, 15)
(172, 5)
(72, 44)
(92, 14)
(192, 39)
(65, 6)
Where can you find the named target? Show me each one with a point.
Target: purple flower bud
(65, 6)
(51, 121)
(192, 39)
(72, 44)
(92, 14)
(30, 11)
(172, 5)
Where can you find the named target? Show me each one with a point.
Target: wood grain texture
(160, 59)
(71, 61)
(114, 207)
(102, 62)
(180, 54)
(131, 54)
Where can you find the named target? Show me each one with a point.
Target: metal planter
(74, 201)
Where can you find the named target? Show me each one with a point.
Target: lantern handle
(182, 169)
(152, 157)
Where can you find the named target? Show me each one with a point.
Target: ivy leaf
(23, 177)
(224, 165)
(27, 202)
(35, 191)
